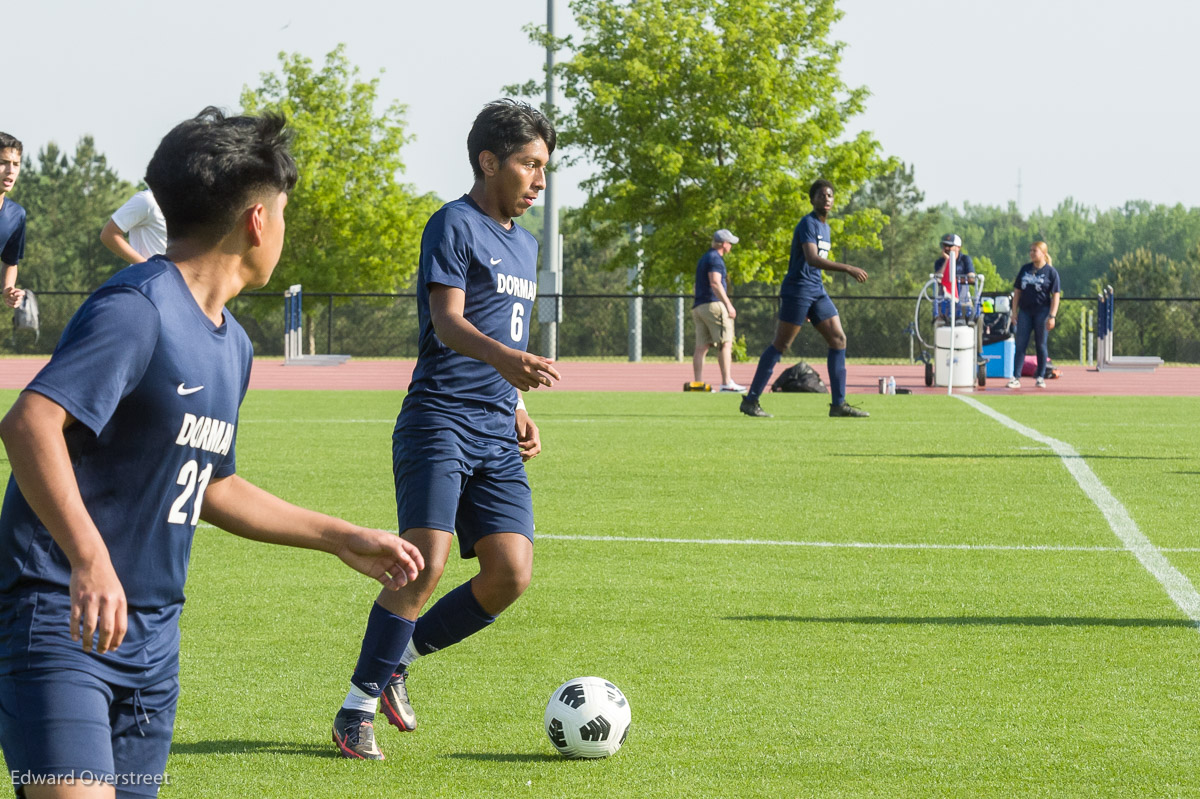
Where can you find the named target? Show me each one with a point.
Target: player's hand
(732, 312)
(1050, 323)
(858, 274)
(381, 556)
(529, 439)
(98, 606)
(525, 370)
(13, 296)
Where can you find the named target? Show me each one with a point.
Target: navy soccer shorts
(62, 726)
(470, 487)
(794, 308)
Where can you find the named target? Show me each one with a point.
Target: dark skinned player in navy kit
(802, 296)
(462, 433)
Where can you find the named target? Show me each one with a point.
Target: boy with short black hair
(118, 447)
(462, 432)
(802, 296)
(12, 218)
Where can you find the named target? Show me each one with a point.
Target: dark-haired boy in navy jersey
(118, 447)
(12, 219)
(463, 434)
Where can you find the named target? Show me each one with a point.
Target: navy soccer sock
(836, 361)
(383, 645)
(451, 619)
(762, 375)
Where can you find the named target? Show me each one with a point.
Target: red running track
(1171, 381)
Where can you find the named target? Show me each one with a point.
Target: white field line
(762, 542)
(1178, 587)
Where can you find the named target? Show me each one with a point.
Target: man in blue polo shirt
(803, 296)
(463, 432)
(12, 219)
(118, 447)
(713, 311)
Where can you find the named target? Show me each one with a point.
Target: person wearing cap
(964, 269)
(713, 311)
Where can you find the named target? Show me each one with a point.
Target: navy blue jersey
(155, 387)
(464, 248)
(12, 233)
(962, 267)
(1037, 285)
(803, 277)
(710, 262)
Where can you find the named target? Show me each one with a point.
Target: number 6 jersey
(155, 387)
(464, 248)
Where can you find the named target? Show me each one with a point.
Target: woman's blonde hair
(1041, 245)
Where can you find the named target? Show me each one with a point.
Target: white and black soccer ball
(587, 717)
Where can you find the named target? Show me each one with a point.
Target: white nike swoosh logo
(183, 392)
(496, 261)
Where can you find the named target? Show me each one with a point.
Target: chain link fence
(597, 326)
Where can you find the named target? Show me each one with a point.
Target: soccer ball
(587, 717)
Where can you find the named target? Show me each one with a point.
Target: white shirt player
(142, 222)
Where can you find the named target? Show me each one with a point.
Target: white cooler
(954, 356)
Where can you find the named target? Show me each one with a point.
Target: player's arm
(114, 239)
(244, 509)
(718, 287)
(37, 450)
(814, 259)
(522, 369)
(12, 294)
(1054, 298)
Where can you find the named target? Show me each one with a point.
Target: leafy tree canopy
(352, 226)
(68, 200)
(703, 114)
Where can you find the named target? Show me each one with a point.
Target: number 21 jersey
(155, 388)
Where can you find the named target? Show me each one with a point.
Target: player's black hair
(207, 170)
(505, 126)
(7, 142)
(820, 183)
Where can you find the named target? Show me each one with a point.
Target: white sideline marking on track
(1178, 587)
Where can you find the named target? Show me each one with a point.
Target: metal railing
(597, 325)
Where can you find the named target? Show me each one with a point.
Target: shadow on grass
(511, 757)
(243, 747)
(975, 621)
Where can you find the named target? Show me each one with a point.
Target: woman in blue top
(1036, 293)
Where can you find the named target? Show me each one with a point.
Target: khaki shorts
(713, 325)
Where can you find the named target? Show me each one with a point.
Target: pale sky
(1084, 98)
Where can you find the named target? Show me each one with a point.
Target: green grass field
(990, 638)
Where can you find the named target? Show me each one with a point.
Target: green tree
(701, 114)
(352, 226)
(68, 199)
(908, 239)
(1167, 330)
